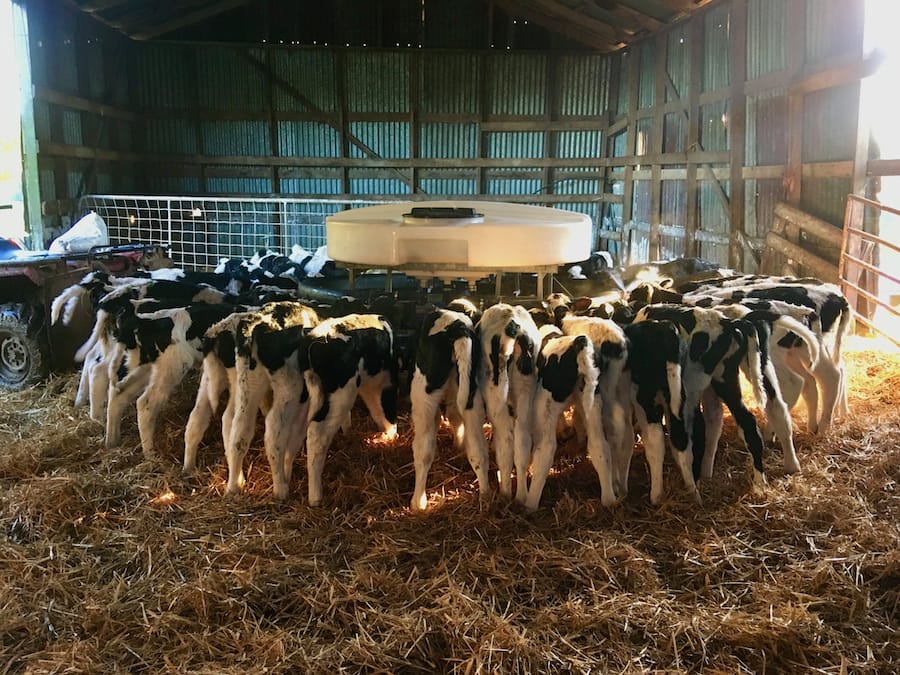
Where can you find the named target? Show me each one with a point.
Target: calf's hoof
(759, 480)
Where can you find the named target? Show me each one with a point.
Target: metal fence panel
(198, 231)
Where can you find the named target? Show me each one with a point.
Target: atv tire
(24, 352)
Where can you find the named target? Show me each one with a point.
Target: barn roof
(602, 25)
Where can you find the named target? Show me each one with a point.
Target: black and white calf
(91, 288)
(830, 323)
(446, 366)
(771, 328)
(509, 343)
(657, 357)
(342, 357)
(159, 349)
(217, 376)
(268, 356)
(611, 354)
(716, 348)
(103, 353)
(234, 280)
(568, 374)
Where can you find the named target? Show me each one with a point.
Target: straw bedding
(113, 562)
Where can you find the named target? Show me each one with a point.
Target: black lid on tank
(442, 212)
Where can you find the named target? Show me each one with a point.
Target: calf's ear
(581, 304)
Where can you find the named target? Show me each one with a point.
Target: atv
(30, 348)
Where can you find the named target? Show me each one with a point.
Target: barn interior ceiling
(602, 25)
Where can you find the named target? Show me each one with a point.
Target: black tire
(24, 353)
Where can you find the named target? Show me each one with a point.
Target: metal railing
(862, 277)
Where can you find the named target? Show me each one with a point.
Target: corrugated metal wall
(211, 118)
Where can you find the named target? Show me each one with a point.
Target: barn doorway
(12, 212)
(878, 108)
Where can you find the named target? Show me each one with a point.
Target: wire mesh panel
(198, 231)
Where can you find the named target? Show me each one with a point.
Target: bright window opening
(12, 219)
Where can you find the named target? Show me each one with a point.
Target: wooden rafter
(94, 6)
(620, 15)
(142, 20)
(559, 18)
(187, 19)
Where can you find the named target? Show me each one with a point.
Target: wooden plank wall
(711, 225)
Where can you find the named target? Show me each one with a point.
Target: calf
(657, 357)
(716, 348)
(446, 364)
(268, 363)
(103, 352)
(160, 348)
(611, 354)
(93, 286)
(509, 342)
(217, 376)
(832, 311)
(567, 374)
(771, 328)
(234, 280)
(341, 357)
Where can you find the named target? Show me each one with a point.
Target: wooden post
(692, 210)
(633, 80)
(659, 114)
(612, 105)
(415, 98)
(343, 124)
(796, 57)
(274, 150)
(551, 115)
(483, 110)
(193, 73)
(736, 128)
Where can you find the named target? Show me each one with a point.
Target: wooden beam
(626, 18)
(883, 167)
(821, 229)
(562, 124)
(837, 75)
(533, 163)
(93, 6)
(561, 19)
(684, 6)
(190, 18)
(819, 267)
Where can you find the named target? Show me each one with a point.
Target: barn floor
(114, 562)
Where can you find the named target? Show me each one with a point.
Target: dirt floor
(113, 562)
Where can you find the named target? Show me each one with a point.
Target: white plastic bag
(88, 232)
